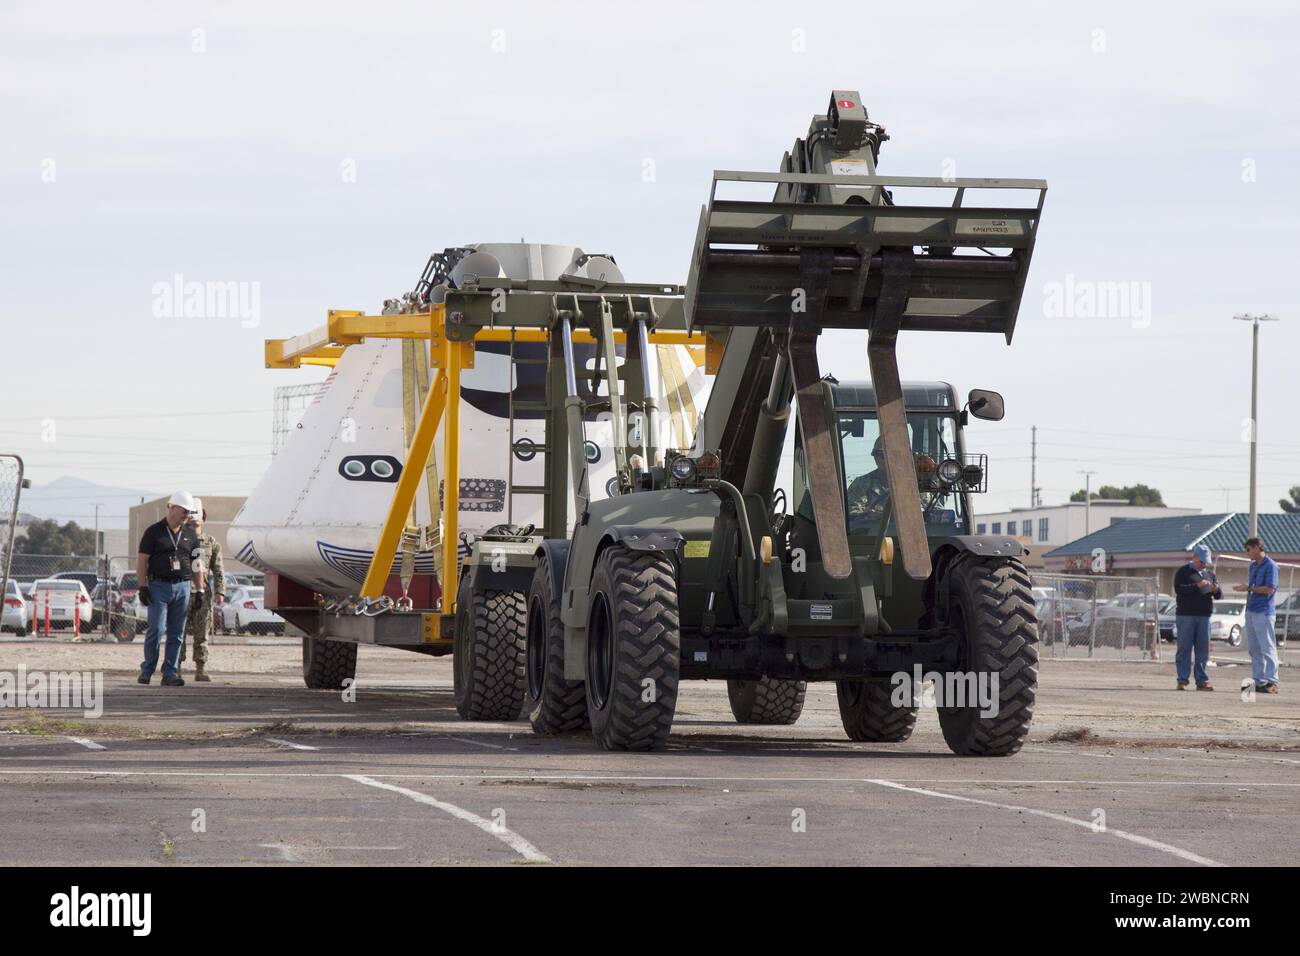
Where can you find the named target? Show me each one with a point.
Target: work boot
(175, 681)
(144, 678)
(201, 675)
(1206, 686)
(1269, 689)
(1182, 685)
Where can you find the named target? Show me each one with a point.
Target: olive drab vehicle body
(696, 566)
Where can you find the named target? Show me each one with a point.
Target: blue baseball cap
(1202, 553)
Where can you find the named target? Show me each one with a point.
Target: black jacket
(1192, 600)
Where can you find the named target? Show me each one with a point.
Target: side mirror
(986, 404)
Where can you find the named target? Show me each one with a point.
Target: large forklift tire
(554, 705)
(868, 712)
(488, 653)
(327, 664)
(772, 700)
(633, 649)
(992, 603)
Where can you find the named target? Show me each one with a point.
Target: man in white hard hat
(166, 568)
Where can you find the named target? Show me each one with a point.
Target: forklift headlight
(950, 471)
(683, 470)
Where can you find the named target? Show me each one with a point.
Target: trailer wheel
(992, 607)
(869, 714)
(555, 705)
(488, 662)
(633, 649)
(772, 700)
(327, 664)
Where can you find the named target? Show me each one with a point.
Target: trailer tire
(869, 714)
(327, 664)
(771, 700)
(633, 649)
(555, 705)
(488, 653)
(992, 605)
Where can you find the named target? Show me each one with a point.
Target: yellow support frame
(325, 345)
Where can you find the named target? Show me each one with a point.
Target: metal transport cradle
(692, 564)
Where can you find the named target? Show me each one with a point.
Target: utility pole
(1254, 320)
(1033, 466)
(1087, 501)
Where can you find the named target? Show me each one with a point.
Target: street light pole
(1254, 320)
(1087, 501)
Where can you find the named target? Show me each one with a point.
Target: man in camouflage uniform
(198, 620)
(868, 493)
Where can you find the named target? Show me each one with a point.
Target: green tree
(1292, 505)
(49, 537)
(1133, 494)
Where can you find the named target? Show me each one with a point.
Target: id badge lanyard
(176, 547)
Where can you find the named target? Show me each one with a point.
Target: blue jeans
(1193, 632)
(167, 603)
(1262, 647)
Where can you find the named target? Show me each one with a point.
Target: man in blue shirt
(1260, 588)
(1196, 588)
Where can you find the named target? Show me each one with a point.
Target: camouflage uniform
(867, 493)
(198, 619)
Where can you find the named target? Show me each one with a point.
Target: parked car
(1120, 620)
(67, 600)
(104, 600)
(1287, 622)
(89, 578)
(244, 613)
(1228, 622)
(1056, 615)
(14, 617)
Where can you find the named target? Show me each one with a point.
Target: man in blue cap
(1196, 589)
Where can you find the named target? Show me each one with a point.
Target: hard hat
(182, 499)
(198, 506)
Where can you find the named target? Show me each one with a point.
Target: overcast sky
(322, 152)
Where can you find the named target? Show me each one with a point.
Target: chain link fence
(108, 612)
(11, 483)
(1108, 617)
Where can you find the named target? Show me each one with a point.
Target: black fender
(555, 552)
(984, 545)
(634, 537)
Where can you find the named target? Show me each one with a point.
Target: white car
(15, 610)
(243, 613)
(67, 601)
(1228, 622)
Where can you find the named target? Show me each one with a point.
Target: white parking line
(481, 743)
(501, 832)
(289, 743)
(285, 851)
(88, 744)
(1060, 818)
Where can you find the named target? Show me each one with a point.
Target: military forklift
(695, 566)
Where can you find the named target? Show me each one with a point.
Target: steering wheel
(779, 504)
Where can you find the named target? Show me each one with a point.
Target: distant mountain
(74, 499)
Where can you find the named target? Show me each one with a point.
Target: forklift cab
(944, 472)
